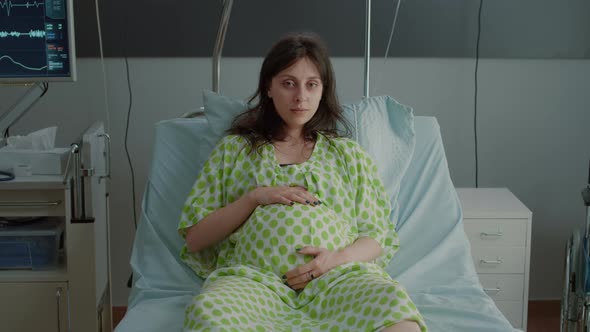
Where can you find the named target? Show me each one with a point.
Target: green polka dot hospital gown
(244, 290)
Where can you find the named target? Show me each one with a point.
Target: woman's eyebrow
(295, 78)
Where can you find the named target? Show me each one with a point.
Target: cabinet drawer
(498, 260)
(513, 312)
(34, 306)
(500, 287)
(32, 203)
(496, 232)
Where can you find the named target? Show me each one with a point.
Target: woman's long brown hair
(261, 123)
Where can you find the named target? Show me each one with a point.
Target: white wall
(534, 130)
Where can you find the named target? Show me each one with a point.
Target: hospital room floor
(543, 316)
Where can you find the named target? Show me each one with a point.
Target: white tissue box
(45, 162)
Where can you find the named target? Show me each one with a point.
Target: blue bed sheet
(434, 262)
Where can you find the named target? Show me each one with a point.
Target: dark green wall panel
(426, 28)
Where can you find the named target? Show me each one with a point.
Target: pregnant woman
(288, 221)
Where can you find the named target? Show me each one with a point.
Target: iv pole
(367, 46)
(222, 29)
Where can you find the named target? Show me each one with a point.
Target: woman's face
(296, 92)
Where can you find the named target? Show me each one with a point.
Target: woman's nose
(300, 96)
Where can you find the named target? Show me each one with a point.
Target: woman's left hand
(324, 260)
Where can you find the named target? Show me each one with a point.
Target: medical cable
(126, 136)
(6, 176)
(126, 32)
(104, 74)
(130, 91)
(385, 56)
(45, 89)
(106, 130)
(475, 93)
(392, 31)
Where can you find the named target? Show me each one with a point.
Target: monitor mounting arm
(21, 106)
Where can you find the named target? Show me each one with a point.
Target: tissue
(36, 153)
(39, 140)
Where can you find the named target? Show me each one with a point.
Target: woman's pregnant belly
(269, 238)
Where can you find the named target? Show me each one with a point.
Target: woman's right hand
(283, 195)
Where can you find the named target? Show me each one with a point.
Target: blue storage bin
(34, 246)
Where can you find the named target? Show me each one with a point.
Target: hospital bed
(434, 262)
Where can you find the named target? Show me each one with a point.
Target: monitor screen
(37, 41)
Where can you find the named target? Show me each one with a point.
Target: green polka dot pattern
(351, 297)
(244, 290)
(275, 247)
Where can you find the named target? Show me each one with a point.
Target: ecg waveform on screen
(8, 5)
(3, 57)
(16, 34)
(34, 40)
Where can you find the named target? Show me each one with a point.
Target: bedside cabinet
(55, 266)
(498, 227)
(71, 296)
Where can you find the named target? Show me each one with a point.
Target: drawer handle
(486, 234)
(30, 204)
(487, 262)
(492, 291)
